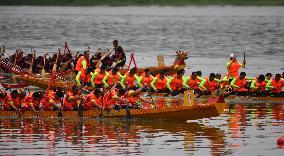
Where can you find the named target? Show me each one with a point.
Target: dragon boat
(182, 110)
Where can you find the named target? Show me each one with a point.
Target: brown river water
(211, 34)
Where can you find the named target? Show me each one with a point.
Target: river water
(210, 33)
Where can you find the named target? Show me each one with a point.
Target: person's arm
(138, 80)
(218, 80)
(225, 79)
(202, 82)
(185, 81)
(229, 64)
(243, 65)
(169, 81)
(10, 102)
(268, 85)
(32, 106)
(154, 81)
(252, 85)
(84, 64)
(78, 78)
(250, 78)
(145, 100)
(233, 83)
(105, 79)
(93, 77)
(122, 79)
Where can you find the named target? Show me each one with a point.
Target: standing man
(119, 55)
(233, 67)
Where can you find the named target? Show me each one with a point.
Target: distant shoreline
(140, 2)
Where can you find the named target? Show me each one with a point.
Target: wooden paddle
(32, 61)
(244, 62)
(43, 70)
(55, 64)
(152, 99)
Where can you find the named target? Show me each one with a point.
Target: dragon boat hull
(173, 113)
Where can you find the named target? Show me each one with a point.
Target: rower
(34, 101)
(94, 100)
(275, 86)
(132, 78)
(111, 78)
(73, 99)
(133, 99)
(221, 82)
(146, 78)
(239, 84)
(175, 84)
(112, 98)
(81, 67)
(210, 84)
(159, 83)
(201, 79)
(12, 101)
(122, 77)
(193, 82)
(97, 79)
(258, 86)
(268, 77)
(55, 102)
(3, 96)
(233, 67)
(38, 64)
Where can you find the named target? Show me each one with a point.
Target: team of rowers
(113, 87)
(64, 60)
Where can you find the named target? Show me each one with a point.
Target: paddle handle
(152, 98)
(245, 62)
(55, 64)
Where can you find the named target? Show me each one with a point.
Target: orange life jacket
(277, 86)
(99, 78)
(211, 85)
(91, 97)
(130, 80)
(47, 105)
(147, 80)
(176, 83)
(30, 99)
(16, 102)
(108, 100)
(79, 65)
(88, 104)
(242, 84)
(261, 85)
(234, 69)
(161, 83)
(112, 79)
(194, 83)
(130, 98)
(70, 104)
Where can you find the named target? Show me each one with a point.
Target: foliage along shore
(141, 2)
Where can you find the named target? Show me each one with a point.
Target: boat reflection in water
(112, 136)
(241, 127)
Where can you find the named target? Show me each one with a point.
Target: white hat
(232, 56)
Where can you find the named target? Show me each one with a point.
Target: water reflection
(243, 126)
